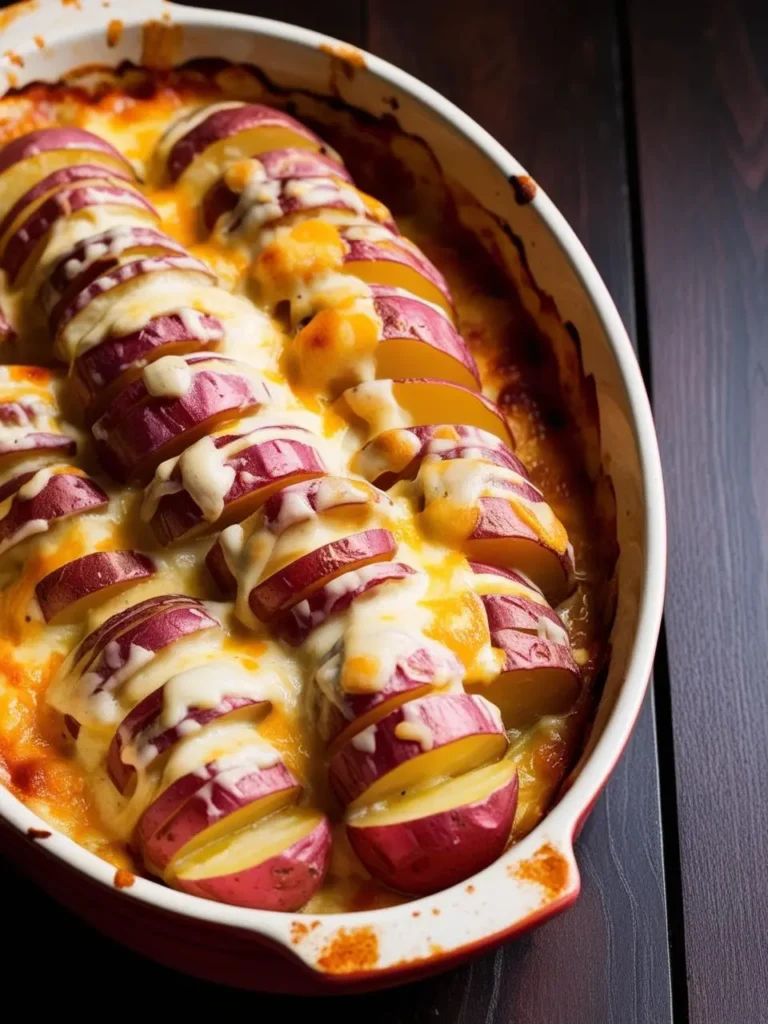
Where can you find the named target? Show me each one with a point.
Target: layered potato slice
(381, 333)
(68, 592)
(277, 863)
(366, 676)
(397, 454)
(336, 597)
(224, 479)
(176, 401)
(34, 502)
(237, 793)
(284, 184)
(26, 238)
(387, 404)
(49, 185)
(90, 258)
(184, 704)
(435, 736)
(495, 514)
(100, 370)
(432, 838)
(305, 536)
(78, 318)
(28, 158)
(31, 428)
(370, 253)
(197, 148)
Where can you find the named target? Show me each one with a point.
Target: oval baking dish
(560, 291)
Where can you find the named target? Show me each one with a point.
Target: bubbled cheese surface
(276, 284)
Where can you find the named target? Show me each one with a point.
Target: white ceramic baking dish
(539, 876)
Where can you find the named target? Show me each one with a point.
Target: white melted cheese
(186, 123)
(365, 740)
(29, 529)
(375, 459)
(34, 485)
(374, 401)
(414, 732)
(380, 628)
(202, 687)
(68, 232)
(326, 290)
(463, 482)
(167, 377)
(203, 471)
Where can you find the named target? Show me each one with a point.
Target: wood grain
(701, 88)
(544, 78)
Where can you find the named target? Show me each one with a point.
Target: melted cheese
(324, 340)
(167, 377)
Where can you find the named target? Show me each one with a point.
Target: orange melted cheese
(38, 761)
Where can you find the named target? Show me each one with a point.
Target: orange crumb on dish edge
(547, 867)
(114, 32)
(351, 950)
(124, 879)
(341, 51)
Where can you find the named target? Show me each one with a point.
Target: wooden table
(647, 122)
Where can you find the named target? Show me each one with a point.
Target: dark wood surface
(701, 91)
(647, 122)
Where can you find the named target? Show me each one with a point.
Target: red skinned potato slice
(101, 370)
(423, 403)
(119, 623)
(301, 578)
(386, 334)
(44, 499)
(174, 796)
(32, 157)
(276, 864)
(256, 472)
(226, 135)
(217, 565)
(62, 592)
(518, 612)
(376, 255)
(27, 437)
(351, 694)
(336, 597)
(538, 678)
(513, 601)
(53, 182)
(24, 412)
(14, 483)
(37, 443)
(25, 240)
(76, 317)
(329, 496)
(436, 838)
(127, 653)
(236, 796)
(275, 166)
(46, 140)
(168, 715)
(7, 332)
(141, 430)
(500, 536)
(398, 453)
(252, 202)
(94, 256)
(417, 341)
(428, 738)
